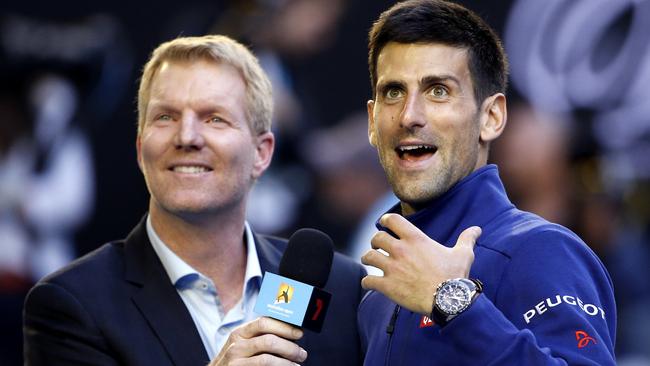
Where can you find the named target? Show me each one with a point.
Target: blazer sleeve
(58, 330)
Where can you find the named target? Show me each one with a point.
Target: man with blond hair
(180, 289)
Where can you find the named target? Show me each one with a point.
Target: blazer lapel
(268, 255)
(159, 302)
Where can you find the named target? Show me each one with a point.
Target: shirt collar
(177, 269)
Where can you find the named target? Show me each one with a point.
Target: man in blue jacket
(181, 288)
(469, 279)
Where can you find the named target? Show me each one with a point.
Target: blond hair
(217, 48)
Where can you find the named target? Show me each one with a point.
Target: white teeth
(190, 169)
(414, 147)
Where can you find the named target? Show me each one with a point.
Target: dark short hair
(438, 21)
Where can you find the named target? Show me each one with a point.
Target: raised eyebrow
(390, 84)
(427, 81)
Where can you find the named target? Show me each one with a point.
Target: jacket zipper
(390, 329)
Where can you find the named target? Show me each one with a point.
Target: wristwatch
(452, 297)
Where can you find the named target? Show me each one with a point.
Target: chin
(184, 210)
(418, 194)
(183, 205)
(415, 199)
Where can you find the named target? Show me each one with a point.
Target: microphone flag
(292, 302)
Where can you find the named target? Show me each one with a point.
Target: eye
(215, 119)
(163, 117)
(394, 93)
(439, 91)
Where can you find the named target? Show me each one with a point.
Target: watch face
(453, 297)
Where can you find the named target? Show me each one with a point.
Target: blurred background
(576, 149)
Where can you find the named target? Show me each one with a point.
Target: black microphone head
(308, 257)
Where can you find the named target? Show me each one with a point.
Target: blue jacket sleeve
(554, 306)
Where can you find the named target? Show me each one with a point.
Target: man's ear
(371, 123)
(265, 144)
(494, 115)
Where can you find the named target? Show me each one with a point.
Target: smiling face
(196, 149)
(424, 121)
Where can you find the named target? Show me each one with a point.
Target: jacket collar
(268, 254)
(159, 303)
(172, 323)
(474, 201)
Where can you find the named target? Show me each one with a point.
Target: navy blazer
(117, 306)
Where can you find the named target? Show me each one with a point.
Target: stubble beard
(417, 190)
(169, 199)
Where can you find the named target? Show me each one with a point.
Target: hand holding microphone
(293, 297)
(263, 341)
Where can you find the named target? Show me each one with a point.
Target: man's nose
(413, 113)
(189, 134)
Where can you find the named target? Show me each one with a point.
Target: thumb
(468, 237)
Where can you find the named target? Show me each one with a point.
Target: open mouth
(415, 152)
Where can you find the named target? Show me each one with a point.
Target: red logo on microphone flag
(319, 308)
(316, 310)
(426, 322)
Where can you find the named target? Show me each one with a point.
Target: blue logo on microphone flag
(283, 298)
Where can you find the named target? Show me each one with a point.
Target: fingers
(265, 360)
(416, 263)
(467, 239)
(399, 225)
(267, 345)
(372, 283)
(375, 259)
(382, 240)
(264, 340)
(266, 325)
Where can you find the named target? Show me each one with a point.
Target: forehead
(204, 74)
(415, 61)
(201, 85)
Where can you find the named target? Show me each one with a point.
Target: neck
(213, 245)
(410, 208)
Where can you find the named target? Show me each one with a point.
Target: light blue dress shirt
(200, 295)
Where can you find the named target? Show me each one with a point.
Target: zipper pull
(391, 325)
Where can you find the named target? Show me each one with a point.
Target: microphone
(294, 295)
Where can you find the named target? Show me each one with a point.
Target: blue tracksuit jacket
(547, 299)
